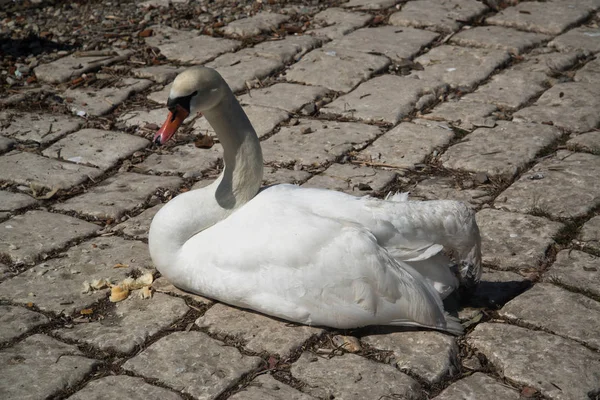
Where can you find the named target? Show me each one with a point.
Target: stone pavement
(495, 103)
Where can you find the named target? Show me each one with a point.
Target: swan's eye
(183, 101)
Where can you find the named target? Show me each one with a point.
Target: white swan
(312, 256)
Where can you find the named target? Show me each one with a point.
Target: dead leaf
(117, 293)
(119, 265)
(204, 142)
(86, 311)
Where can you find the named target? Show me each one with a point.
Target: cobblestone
(6, 144)
(161, 285)
(572, 106)
(57, 285)
(111, 387)
(352, 179)
(261, 22)
(336, 69)
(567, 314)
(463, 114)
(102, 149)
(39, 128)
(497, 37)
(258, 333)
(407, 144)
(39, 367)
(137, 227)
(313, 142)
(387, 98)
(239, 69)
(188, 46)
(187, 160)
(590, 233)
(264, 387)
(582, 38)
(503, 150)
(431, 356)
(589, 73)
(515, 241)
(442, 16)
(396, 44)
(287, 50)
(15, 321)
(193, 363)
(369, 4)
(158, 73)
(588, 142)
(27, 237)
(129, 325)
(447, 188)
(338, 22)
(74, 65)
(537, 359)
(576, 269)
(577, 171)
(546, 61)
(285, 96)
(39, 172)
(551, 18)
(106, 201)
(280, 175)
(352, 377)
(10, 201)
(459, 67)
(497, 287)
(478, 386)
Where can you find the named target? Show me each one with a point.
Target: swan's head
(194, 90)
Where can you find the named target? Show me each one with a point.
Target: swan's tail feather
(397, 197)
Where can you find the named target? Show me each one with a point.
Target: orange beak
(173, 122)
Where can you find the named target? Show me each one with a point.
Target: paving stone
(515, 241)
(39, 128)
(137, 227)
(369, 4)
(352, 179)
(263, 119)
(158, 73)
(258, 333)
(5, 272)
(460, 67)
(431, 356)
(352, 377)
(407, 144)
(559, 368)
(442, 16)
(336, 69)
(336, 22)
(447, 188)
(29, 236)
(590, 233)
(582, 38)
(546, 61)
(285, 96)
(130, 324)
(496, 288)
(187, 159)
(576, 269)
(107, 200)
(256, 24)
(159, 3)
(510, 89)
(237, 68)
(589, 142)
(15, 321)
(564, 313)
(100, 148)
(503, 150)
(162, 285)
(291, 48)
(161, 96)
(10, 201)
(39, 172)
(188, 46)
(193, 363)
(396, 44)
(572, 106)
(321, 142)
(576, 171)
(478, 386)
(463, 114)
(40, 366)
(141, 118)
(272, 175)
(265, 387)
(386, 98)
(589, 73)
(6, 144)
(57, 284)
(497, 37)
(545, 17)
(123, 386)
(98, 102)
(72, 66)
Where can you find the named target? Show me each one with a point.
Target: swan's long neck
(198, 210)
